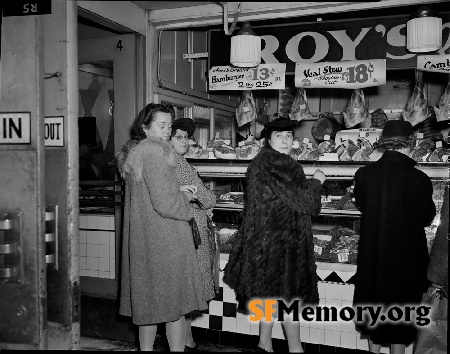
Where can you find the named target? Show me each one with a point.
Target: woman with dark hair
(182, 130)
(396, 202)
(160, 276)
(273, 253)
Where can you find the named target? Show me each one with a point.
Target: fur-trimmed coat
(160, 275)
(273, 253)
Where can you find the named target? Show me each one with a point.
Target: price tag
(356, 110)
(325, 199)
(444, 158)
(326, 137)
(302, 106)
(306, 140)
(217, 136)
(347, 74)
(438, 144)
(343, 256)
(246, 109)
(362, 134)
(270, 76)
(309, 145)
(419, 135)
(317, 250)
(241, 143)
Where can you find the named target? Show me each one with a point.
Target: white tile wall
(97, 246)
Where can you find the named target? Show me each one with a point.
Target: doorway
(110, 97)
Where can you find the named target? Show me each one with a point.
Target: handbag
(195, 233)
(432, 339)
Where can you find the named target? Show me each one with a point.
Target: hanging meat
(444, 104)
(357, 109)
(416, 109)
(246, 110)
(326, 124)
(379, 118)
(299, 108)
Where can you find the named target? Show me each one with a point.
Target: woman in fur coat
(160, 276)
(273, 253)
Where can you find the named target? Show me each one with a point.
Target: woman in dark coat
(160, 276)
(273, 253)
(395, 199)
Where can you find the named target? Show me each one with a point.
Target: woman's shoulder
(156, 148)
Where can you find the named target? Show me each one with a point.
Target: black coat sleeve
(422, 199)
(288, 181)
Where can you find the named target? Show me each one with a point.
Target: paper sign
(350, 74)
(343, 257)
(435, 63)
(15, 128)
(317, 249)
(263, 77)
(326, 137)
(306, 140)
(419, 135)
(438, 144)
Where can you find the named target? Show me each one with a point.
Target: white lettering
(321, 51)
(348, 46)
(395, 39)
(271, 45)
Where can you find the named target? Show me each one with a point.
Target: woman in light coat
(182, 130)
(160, 276)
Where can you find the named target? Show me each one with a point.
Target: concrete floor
(101, 344)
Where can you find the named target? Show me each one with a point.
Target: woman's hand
(190, 190)
(319, 175)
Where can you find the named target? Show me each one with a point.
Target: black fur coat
(273, 253)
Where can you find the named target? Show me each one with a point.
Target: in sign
(15, 128)
(54, 131)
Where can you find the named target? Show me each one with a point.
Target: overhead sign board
(351, 74)
(262, 77)
(15, 128)
(26, 8)
(435, 63)
(54, 131)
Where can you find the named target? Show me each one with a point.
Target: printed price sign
(262, 77)
(351, 74)
(436, 63)
(343, 256)
(317, 250)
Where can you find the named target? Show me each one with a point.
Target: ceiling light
(245, 48)
(424, 31)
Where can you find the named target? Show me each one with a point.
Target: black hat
(281, 124)
(396, 132)
(185, 124)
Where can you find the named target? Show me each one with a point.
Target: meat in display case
(335, 229)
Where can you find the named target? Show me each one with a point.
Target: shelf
(332, 169)
(324, 211)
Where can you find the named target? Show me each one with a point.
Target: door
(110, 98)
(22, 202)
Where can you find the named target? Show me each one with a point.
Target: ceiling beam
(212, 14)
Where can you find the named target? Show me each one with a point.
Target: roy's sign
(375, 38)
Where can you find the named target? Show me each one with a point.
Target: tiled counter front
(97, 246)
(335, 289)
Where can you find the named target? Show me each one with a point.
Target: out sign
(54, 131)
(15, 128)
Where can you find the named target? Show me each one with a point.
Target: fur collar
(130, 159)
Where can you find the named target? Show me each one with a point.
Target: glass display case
(335, 229)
